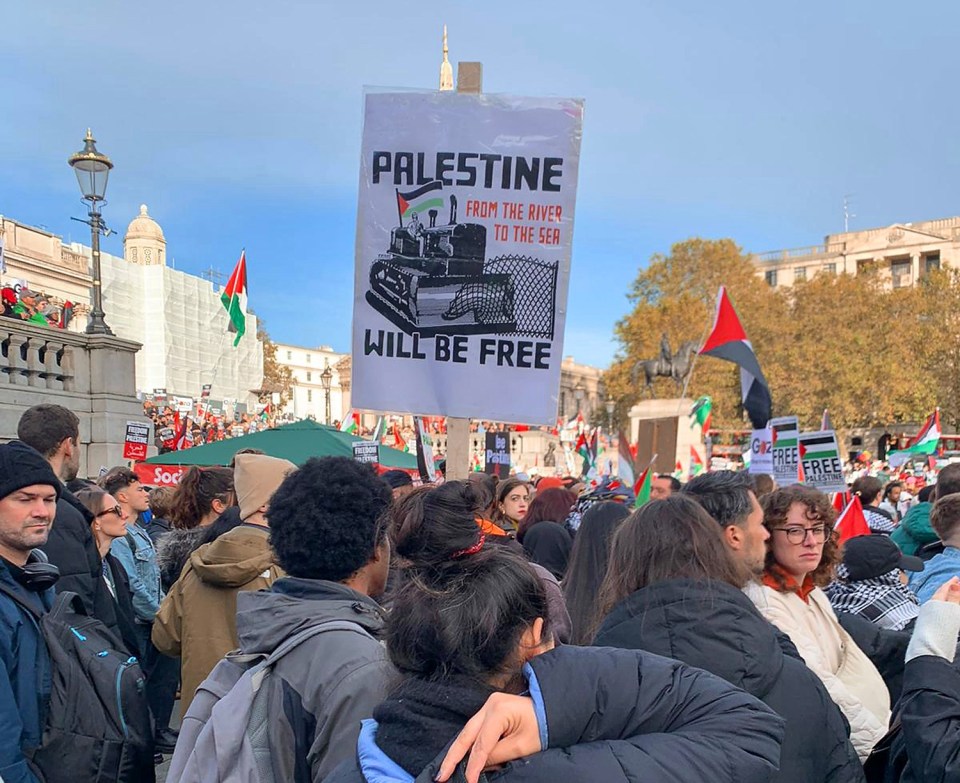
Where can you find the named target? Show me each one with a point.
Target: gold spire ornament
(446, 70)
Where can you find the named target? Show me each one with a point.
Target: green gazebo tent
(296, 442)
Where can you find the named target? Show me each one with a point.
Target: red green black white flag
(234, 298)
(419, 200)
(728, 341)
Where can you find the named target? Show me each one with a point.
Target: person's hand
(948, 591)
(505, 729)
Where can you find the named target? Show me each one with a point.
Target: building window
(931, 262)
(308, 358)
(289, 355)
(900, 272)
(799, 273)
(830, 269)
(133, 254)
(309, 395)
(309, 377)
(771, 278)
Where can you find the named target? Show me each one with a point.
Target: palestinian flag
(625, 462)
(642, 487)
(420, 199)
(696, 464)
(351, 422)
(380, 430)
(583, 449)
(728, 341)
(702, 413)
(924, 445)
(234, 298)
(818, 445)
(851, 522)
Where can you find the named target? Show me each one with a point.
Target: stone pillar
(915, 268)
(662, 427)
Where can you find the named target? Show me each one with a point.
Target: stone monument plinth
(663, 427)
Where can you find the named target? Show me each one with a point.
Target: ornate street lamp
(325, 378)
(610, 405)
(92, 169)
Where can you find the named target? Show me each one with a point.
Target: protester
(879, 520)
(728, 497)
(327, 534)
(891, 500)
(930, 709)
(545, 540)
(914, 531)
(673, 588)
(161, 509)
(197, 620)
(110, 523)
(588, 566)
(470, 622)
(609, 488)
(868, 583)
(203, 494)
(801, 558)
(945, 520)
(762, 484)
(663, 486)
(54, 431)
(513, 498)
(399, 481)
(29, 490)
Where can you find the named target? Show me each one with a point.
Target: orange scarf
(789, 582)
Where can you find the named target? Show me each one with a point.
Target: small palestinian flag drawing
(420, 199)
(819, 445)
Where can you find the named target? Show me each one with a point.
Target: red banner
(159, 475)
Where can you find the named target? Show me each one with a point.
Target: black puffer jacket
(716, 627)
(608, 715)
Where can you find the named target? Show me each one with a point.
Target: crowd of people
(173, 431)
(35, 307)
(325, 623)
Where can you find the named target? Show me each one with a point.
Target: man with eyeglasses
(801, 560)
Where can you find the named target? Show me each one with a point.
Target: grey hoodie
(332, 681)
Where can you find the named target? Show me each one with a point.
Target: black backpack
(98, 722)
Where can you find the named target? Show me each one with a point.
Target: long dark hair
(551, 505)
(197, 490)
(463, 604)
(588, 565)
(673, 538)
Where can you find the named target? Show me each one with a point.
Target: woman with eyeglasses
(802, 554)
(110, 523)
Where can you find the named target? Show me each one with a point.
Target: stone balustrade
(92, 375)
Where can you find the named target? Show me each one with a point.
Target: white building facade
(312, 390)
(177, 317)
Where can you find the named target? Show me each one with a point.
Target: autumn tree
(276, 377)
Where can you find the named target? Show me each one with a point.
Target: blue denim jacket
(142, 570)
(936, 571)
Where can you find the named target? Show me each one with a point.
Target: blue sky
(239, 125)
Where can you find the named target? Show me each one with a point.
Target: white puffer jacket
(851, 679)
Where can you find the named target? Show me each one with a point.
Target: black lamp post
(325, 378)
(610, 405)
(92, 169)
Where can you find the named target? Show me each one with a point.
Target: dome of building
(144, 227)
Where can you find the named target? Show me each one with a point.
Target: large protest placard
(497, 459)
(464, 234)
(786, 458)
(761, 451)
(821, 462)
(366, 451)
(137, 440)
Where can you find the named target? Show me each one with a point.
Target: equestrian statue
(667, 365)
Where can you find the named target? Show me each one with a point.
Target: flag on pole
(728, 341)
(351, 422)
(627, 473)
(852, 521)
(696, 464)
(702, 412)
(643, 485)
(180, 430)
(380, 430)
(425, 461)
(924, 445)
(234, 298)
(398, 442)
(583, 449)
(419, 200)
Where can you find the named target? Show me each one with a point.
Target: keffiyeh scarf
(882, 599)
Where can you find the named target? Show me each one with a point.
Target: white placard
(761, 451)
(464, 234)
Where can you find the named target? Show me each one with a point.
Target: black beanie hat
(22, 466)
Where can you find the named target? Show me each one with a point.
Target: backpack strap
(18, 599)
(132, 542)
(308, 633)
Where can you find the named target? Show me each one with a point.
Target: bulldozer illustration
(436, 280)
